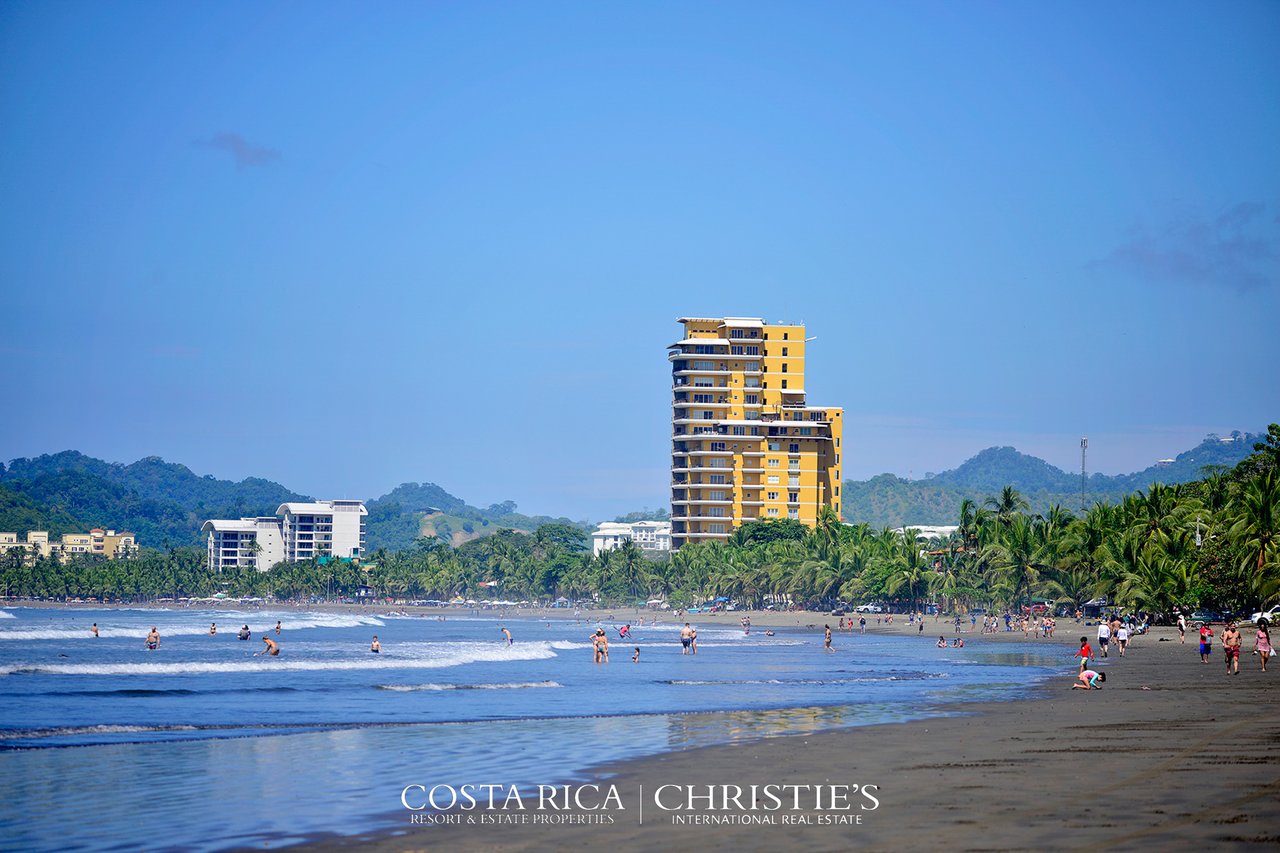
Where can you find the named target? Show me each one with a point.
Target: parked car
(868, 608)
(1208, 616)
(1271, 615)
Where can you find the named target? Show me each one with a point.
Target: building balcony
(686, 386)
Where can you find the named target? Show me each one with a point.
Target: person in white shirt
(1104, 637)
(1122, 638)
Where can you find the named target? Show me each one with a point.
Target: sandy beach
(1172, 754)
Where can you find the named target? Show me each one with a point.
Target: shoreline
(1155, 758)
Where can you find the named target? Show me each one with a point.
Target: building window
(775, 445)
(716, 479)
(773, 510)
(773, 479)
(753, 350)
(806, 430)
(717, 445)
(773, 463)
(795, 447)
(736, 350)
(715, 528)
(784, 352)
(793, 513)
(784, 383)
(771, 496)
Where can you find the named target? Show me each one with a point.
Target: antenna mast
(1084, 477)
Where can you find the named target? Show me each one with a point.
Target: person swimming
(273, 648)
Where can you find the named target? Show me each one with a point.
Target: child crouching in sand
(1089, 680)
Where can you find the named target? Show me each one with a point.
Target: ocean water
(201, 745)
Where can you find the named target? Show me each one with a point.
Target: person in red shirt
(1085, 653)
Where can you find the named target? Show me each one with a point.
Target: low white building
(648, 535)
(298, 531)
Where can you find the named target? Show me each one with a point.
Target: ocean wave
(433, 656)
(515, 685)
(6, 615)
(906, 676)
(565, 645)
(260, 624)
(78, 731)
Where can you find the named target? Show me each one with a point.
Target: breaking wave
(517, 685)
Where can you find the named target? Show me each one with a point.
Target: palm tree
(1010, 503)
(1018, 559)
(1256, 523)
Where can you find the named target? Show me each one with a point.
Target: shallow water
(202, 745)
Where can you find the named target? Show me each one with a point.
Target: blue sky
(347, 245)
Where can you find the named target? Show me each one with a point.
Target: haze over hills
(890, 501)
(165, 503)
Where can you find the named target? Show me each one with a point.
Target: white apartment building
(234, 543)
(648, 535)
(298, 531)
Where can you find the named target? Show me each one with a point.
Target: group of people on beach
(1232, 641)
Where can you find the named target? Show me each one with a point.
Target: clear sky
(347, 245)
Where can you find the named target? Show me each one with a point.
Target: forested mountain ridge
(164, 503)
(890, 501)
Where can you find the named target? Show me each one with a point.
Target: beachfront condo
(99, 541)
(745, 444)
(646, 535)
(298, 531)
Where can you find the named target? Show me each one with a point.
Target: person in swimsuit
(507, 634)
(213, 629)
(686, 638)
(826, 639)
(375, 646)
(942, 642)
(1262, 643)
(600, 645)
(94, 629)
(1231, 648)
(635, 658)
(153, 639)
(1088, 679)
(244, 633)
(273, 648)
(277, 628)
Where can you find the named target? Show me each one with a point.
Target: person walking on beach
(686, 639)
(375, 646)
(1231, 648)
(826, 639)
(1104, 637)
(1182, 628)
(507, 634)
(1088, 679)
(94, 629)
(862, 625)
(1206, 643)
(1122, 638)
(1085, 653)
(153, 639)
(273, 648)
(1262, 643)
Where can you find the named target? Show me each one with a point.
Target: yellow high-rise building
(745, 445)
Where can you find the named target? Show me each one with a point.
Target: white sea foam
(6, 615)
(565, 645)
(72, 731)
(515, 685)
(431, 656)
(229, 623)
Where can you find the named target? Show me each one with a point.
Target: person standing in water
(600, 646)
(94, 629)
(153, 639)
(826, 639)
(273, 648)
(277, 627)
(635, 658)
(507, 634)
(375, 646)
(686, 639)
(213, 629)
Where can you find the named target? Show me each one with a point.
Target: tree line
(1208, 543)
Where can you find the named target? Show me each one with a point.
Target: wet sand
(1172, 754)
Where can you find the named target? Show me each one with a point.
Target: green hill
(889, 501)
(164, 503)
